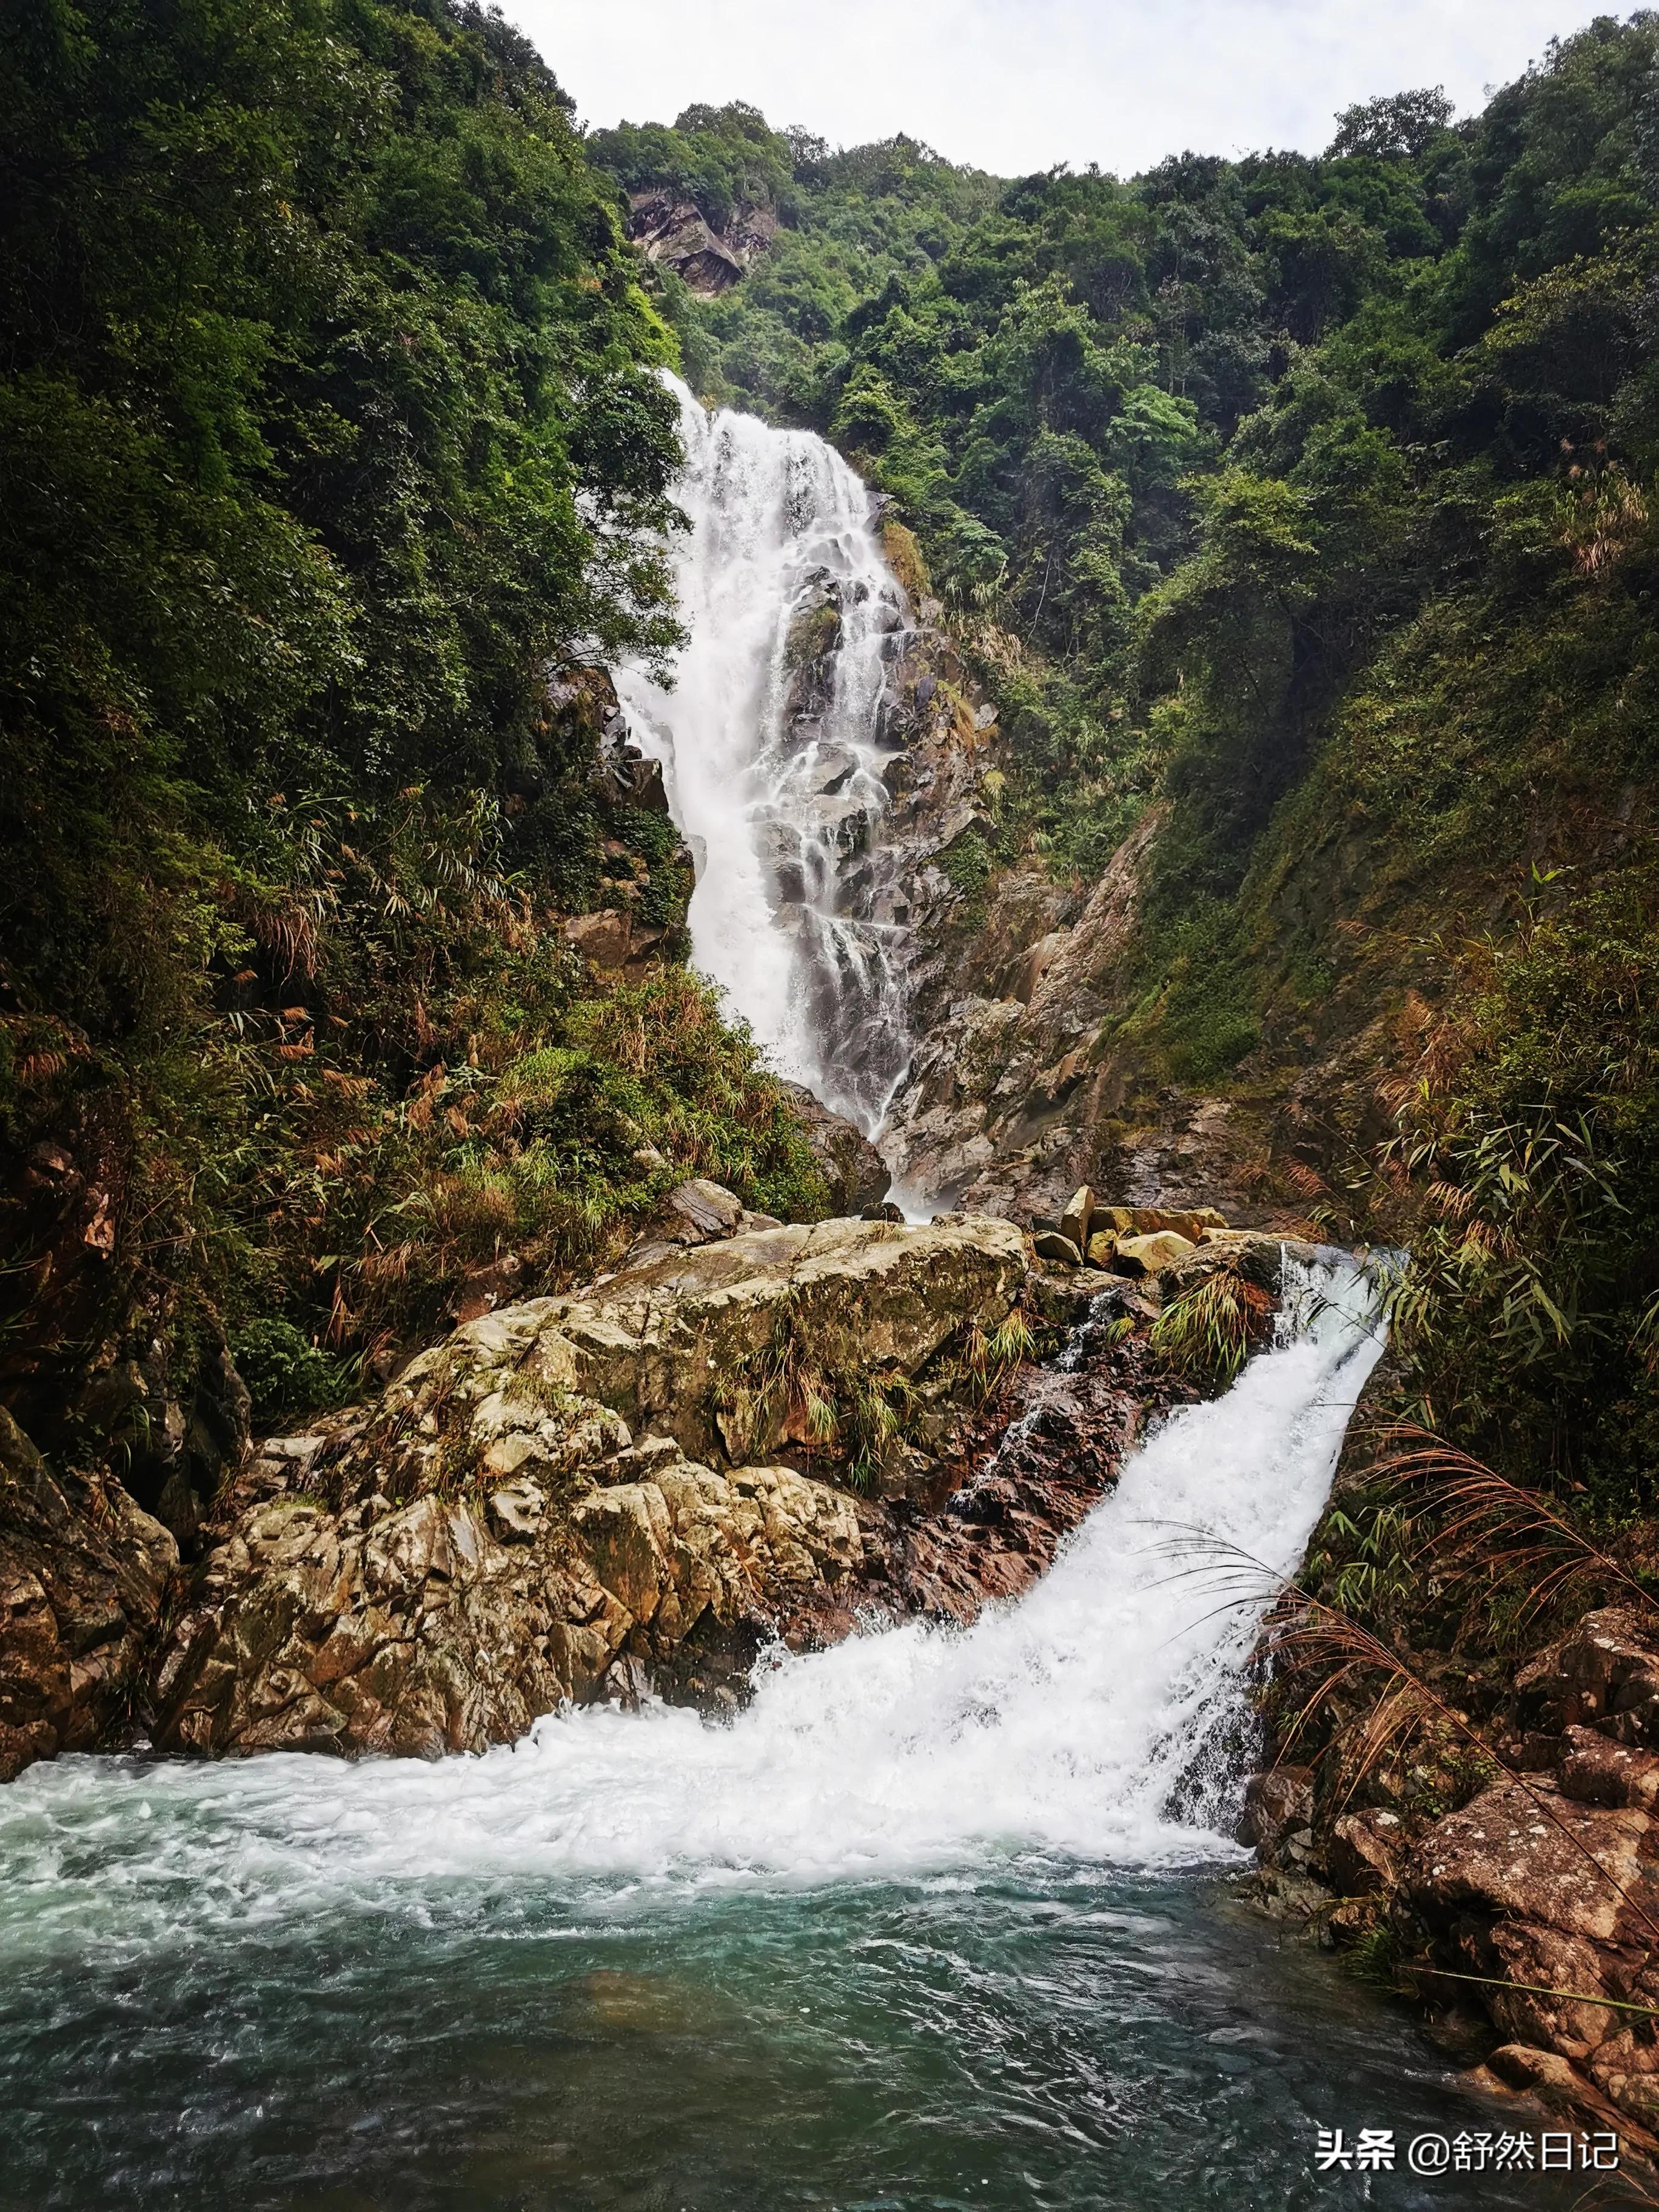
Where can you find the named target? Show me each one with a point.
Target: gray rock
(701, 1210)
(853, 1169)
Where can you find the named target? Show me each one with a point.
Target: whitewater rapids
(1071, 1725)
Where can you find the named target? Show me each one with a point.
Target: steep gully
(640, 1534)
(983, 1079)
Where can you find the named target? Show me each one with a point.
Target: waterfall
(1081, 1723)
(771, 752)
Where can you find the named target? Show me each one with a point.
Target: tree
(1397, 128)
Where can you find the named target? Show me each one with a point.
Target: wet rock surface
(853, 1169)
(1531, 1912)
(631, 1489)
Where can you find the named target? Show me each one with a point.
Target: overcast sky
(1016, 85)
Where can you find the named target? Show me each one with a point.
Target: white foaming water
(774, 779)
(1062, 1725)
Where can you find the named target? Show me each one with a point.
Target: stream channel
(941, 1920)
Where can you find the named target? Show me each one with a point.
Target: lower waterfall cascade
(926, 1925)
(770, 744)
(1067, 1723)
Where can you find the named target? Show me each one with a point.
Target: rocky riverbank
(748, 1431)
(1496, 1858)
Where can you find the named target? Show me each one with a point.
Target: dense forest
(1267, 677)
(329, 429)
(1310, 498)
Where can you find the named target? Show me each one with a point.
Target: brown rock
(1561, 2088)
(1362, 1853)
(1625, 2069)
(1605, 1674)
(1075, 1221)
(1536, 1959)
(1506, 1854)
(614, 938)
(1050, 1245)
(82, 1573)
(1190, 1222)
(1598, 1771)
(1276, 1804)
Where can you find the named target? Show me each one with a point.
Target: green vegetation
(1313, 497)
(1033, 372)
(1317, 498)
(1206, 1333)
(329, 427)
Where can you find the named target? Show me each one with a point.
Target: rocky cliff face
(580, 1490)
(674, 233)
(1022, 1084)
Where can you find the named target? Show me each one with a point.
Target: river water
(941, 1921)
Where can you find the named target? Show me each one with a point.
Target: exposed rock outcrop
(1009, 1078)
(852, 1169)
(1021, 1086)
(1536, 1901)
(675, 233)
(574, 1492)
(83, 1574)
(614, 938)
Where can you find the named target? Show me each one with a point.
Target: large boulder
(1521, 1851)
(1152, 1255)
(1604, 1674)
(573, 1493)
(452, 1622)
(83, 1574)
(852, 1169)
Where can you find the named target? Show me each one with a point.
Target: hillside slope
(332, 456)
(1297, 513)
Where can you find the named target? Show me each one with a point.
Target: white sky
(1016, 85)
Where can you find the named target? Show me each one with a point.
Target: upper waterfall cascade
(771, 742)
